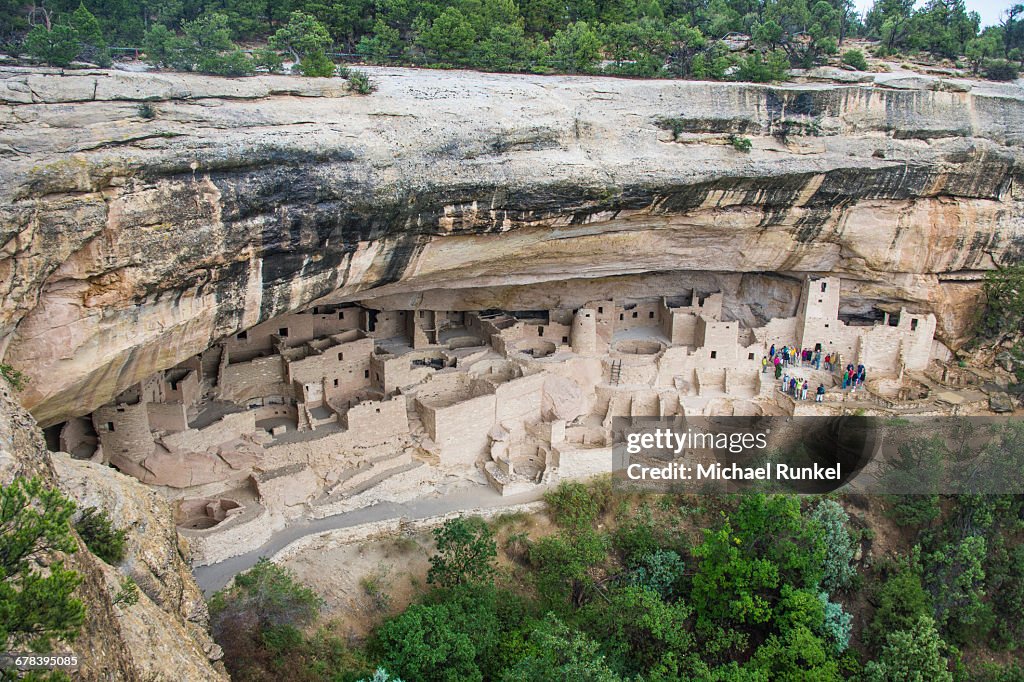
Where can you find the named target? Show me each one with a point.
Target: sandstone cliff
(163, 636)
(145, 216)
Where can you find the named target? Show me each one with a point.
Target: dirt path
(215, 576)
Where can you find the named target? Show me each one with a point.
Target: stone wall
(258, 377)
(227, 428)
(642, 314)
(390, 373)
(124, 431)
(185, 390)
(373, 421)
(460, 430)
(167, 417)
(337, 372)
(300, 327)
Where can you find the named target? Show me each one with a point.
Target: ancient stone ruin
(304, 410)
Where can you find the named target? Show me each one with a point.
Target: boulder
(1000, 403)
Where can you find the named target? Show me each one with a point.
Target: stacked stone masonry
(306, 408)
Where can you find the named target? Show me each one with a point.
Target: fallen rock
(1000, 403)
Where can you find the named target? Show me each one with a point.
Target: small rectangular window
(750, 356)
(600, 309)
(283, 331)
(110, 426)
(635, 314)
(650, 315)
(242, 335)
(366, 374)
(621, 316)
(540, 331)
(823, 285)
(565, 339)
(341, 356)
(913, 325)
(341, 316)
(714, 354)
(335, 382)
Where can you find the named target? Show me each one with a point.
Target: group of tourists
(797, 388)
(785, 357)
(781, 359)
(854, 377)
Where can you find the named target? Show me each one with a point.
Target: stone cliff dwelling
(299, 412)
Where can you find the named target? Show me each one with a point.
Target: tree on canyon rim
(37, 605)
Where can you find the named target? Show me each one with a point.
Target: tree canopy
(649, 38)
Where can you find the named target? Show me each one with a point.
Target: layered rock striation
(144, 217)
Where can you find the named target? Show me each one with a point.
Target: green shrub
(839, 545)
(740, 143)
(573, 504)
(316, 64)
(565, 566)
(451, 638)
(268, 59)
(100, 536)
(127, 593)
(855, 58)
(1006, 582)
(917, 653)
(266, 595)
(57, 46)
(675, 125)
(757, 68)
(955, 577)
(661, 571)
(233, 63)
(147, 111)
(1001, 70)
(901, 602)
(465, 553)
(14, 377)
(360, 83)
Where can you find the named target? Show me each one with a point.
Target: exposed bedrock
(133, 237)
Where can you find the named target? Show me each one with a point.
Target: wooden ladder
(616, 372)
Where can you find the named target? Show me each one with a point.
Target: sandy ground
(364, 582)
